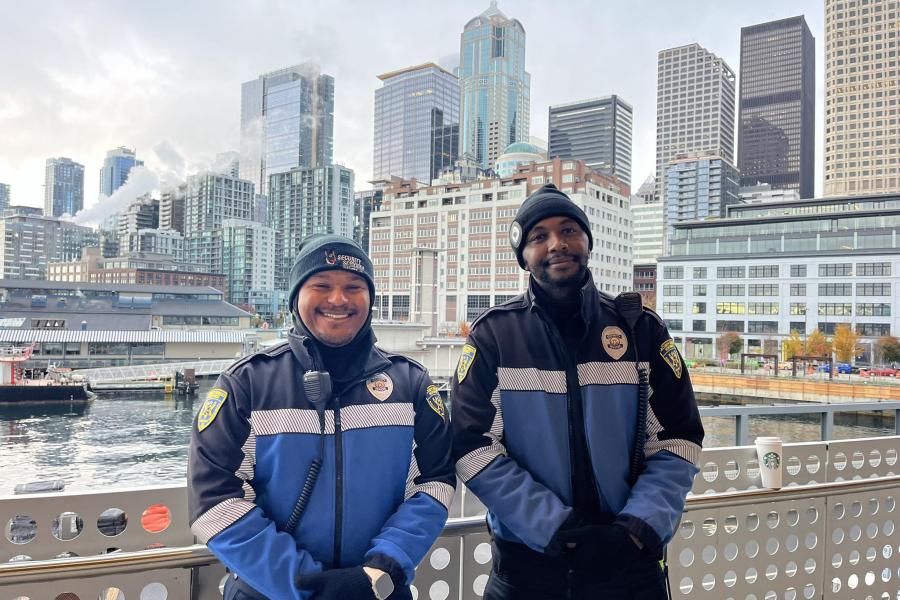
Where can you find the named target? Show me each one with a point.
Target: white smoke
(141, 181)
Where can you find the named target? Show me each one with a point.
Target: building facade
(210, 199)
(249, 263)
(116, 166)
(645, 283)
(649, 230)
(307, 201)
(699, 188)
(694, 107)
(862, 97)
(4, 197)
(140, 214)
(416, 117)
(597, 131)
(454, 238)
(364, 202)
(287, 121)
(763, 192)
(776, 138)
(495, 89)
(768, 269)
(29, 241)
(63, 187)
(171, 208)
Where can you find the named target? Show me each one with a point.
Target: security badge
(381, 386)
(465, 361)
(614, 342)
(670, 354)
(210, 409)
(433, 397)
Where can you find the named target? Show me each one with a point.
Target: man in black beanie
(321, 467)
(583, 479)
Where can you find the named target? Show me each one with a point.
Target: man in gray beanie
(321, 467)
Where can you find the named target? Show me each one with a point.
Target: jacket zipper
(338, 485)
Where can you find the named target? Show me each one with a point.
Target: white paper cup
(768, 451)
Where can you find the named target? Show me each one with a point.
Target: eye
(568, 230)
(538, 237)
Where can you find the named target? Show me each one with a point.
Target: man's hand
(610, 545)
(353, 583)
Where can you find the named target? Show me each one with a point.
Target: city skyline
(178, 103)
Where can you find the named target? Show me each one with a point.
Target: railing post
(741, 429)
(897, 421)
(827, 425)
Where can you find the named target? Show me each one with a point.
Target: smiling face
(556, 253)
(334, 305)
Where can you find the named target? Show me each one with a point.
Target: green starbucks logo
(771, 460)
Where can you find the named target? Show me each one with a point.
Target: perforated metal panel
(736, 468)
(863, 458)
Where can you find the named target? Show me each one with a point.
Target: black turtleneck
(345, 363)
(566, 316)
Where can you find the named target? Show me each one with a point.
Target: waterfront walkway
(764, 387)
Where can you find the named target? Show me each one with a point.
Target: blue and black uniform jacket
(512, 420)
(382, 495)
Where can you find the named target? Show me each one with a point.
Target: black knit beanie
(545, 202)
(329, 252)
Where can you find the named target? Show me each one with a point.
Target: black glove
(609, 545)
(557, 544)
(338, 584)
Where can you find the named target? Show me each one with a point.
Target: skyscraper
(416, 123)
(494, 86)
(776, 139)
(4, 197)
(116, 166)
(597, 131)
(699, 187)
(63, 187)
(694, 107)
(209, 200)
(862, 140)
(287, 121)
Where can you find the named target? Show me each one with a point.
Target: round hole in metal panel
(790, 569)
(771, 572)
(890, 457)
(752, 469)
(729, 579)
(772, 546)
(870, 578)
(686, 586)
(751, 549)
(439, 590)
(708, 582)
(772, 520)
(871, 530)
(887, 551)
(482, 553)
(156, 518)
(710, 471)
(709, 554)
(853, 581)
(874, 458)
(792, 542)
(837, 536)
(111, 593)
(222, 585)
(793, 517)
(732, 470)
(112, 522)
(813, 464)
(414, 591)
(686, 557)
(750, 575)
(886, 574)
(873, 506)
(731, 551)
(154, 591)
(67, 596)
(811, 541)
(837, 560)
(889, 504)
(770, 595)
(855, 533)
(835, 585)
(856, 509)
(440, 559)
(809, 591)
(710, 526)
(809, 566)
(790, 594)
(839, 461)
(839, 511)
(853, 559)
(812, 515)
(871, 554)
(888, 527)
(67, 526)
(752, 521)
(21, 529)
(793, 465)
(479, 584)
(731, 524)
(858, 460)
(687, 530)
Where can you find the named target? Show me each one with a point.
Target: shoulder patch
(434, 400)
(210, 409)
(465, 361)
(669, 353)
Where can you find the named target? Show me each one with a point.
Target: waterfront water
(138, 439)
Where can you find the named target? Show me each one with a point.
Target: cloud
(141, 181)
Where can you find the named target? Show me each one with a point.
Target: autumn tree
(845, 343)
(817, 345)
(464, 329)
(889, 349)
(729, 343)
(793, 346)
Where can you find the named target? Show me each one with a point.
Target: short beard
(575, 281)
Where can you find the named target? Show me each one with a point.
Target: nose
(557, 243)
(337, 297)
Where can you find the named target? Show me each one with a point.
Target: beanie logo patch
(330, 257)
(344, 261)
(515, 235)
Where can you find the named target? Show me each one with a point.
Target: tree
(729, 343)
(793, 346)
(889, 349)
(464, 329)
(845, 343)
(817, 345)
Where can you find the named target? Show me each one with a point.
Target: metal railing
(154, 371)
(829, 533)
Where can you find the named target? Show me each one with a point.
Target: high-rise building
(694, 107)
(249, 251)
(287, 121)
(699, 188)
(4, 197)
(116, 166)
(307, 201)
(141, 214)
(416, 123)
(597, 131)
(29, 241)
(364, 202)
(862, 139)
(209, 200)
(63, 187)
(171, 208)
(776, 137)
(494, 86)
(649, 230)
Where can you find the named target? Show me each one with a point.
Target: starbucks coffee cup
(768, 451)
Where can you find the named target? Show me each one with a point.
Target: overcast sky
(78, 79)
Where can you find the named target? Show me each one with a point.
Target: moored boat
(56, 387)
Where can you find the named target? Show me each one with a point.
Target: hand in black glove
(609, 545)
(558, 543)
(338, 584)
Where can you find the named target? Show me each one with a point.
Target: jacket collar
(303, 349)
(589, 299)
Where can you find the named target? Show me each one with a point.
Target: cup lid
(768, 440)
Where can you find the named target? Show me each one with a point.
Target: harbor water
(133, 439)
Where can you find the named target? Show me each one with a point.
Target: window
(840, 309)
(730, 308)
(798, 308)
(699, 272)
(762, 327)
(475, 305)
(673, 272)
(873, 310)
(798, 326)
(762, 308)
(828, 328)
(699, 325)
(48, 324)
(699, 308)
(873, 289)
(730, 289)
(699, 290)
(836, 289)
(835, 270)
(798, 289)
(674, 324)
(673, 290)
(729, 272)
(764, 271)
(400, 310)
(673, 307)
(763, 289)
(874, 329)
(873, 269)
(798, 271)
(737, 326)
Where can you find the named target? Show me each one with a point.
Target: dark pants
(238, 590)
(519, 573)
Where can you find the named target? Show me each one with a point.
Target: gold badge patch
(433, 397)
(670, 354)
(381, 386)
(210, 409)
(465, 361)
(614, 342)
